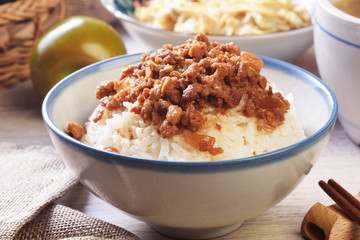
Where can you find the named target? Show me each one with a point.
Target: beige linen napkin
(31, 178)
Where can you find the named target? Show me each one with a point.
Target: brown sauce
(173, 85)
(351, 7)
(202, 143)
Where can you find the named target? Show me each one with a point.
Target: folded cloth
(31, 178)
(60, 222)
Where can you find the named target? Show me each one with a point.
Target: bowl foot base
(191, 233)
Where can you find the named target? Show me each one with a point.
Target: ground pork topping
(173, 84)
(76, 131)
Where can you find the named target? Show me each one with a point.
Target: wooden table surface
(21, 122)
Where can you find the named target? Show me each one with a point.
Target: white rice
(238, 136)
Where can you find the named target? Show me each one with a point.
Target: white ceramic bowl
(285, 45)
(337, 50)
(190, 199)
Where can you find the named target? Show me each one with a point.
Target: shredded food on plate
(225, 17)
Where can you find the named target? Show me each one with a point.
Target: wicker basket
(21, 24)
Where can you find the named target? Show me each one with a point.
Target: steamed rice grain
(238, 136)
(199, 101)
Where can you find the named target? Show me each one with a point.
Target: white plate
(285, 45)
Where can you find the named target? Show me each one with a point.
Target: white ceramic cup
(337, 51)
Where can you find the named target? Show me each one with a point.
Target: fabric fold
(31, 178)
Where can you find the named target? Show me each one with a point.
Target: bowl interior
(329, 6)
(73, 98)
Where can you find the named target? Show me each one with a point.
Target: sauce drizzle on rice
(171, 87)
(172, 84)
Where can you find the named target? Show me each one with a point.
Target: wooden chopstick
(344, 193)
(347, 202)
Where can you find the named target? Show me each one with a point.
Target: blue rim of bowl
(122, 16)
(264, 158)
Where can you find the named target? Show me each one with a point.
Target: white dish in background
(191, 199)
(285, 45)
(337, 51)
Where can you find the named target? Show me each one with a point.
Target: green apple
(70, 45)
